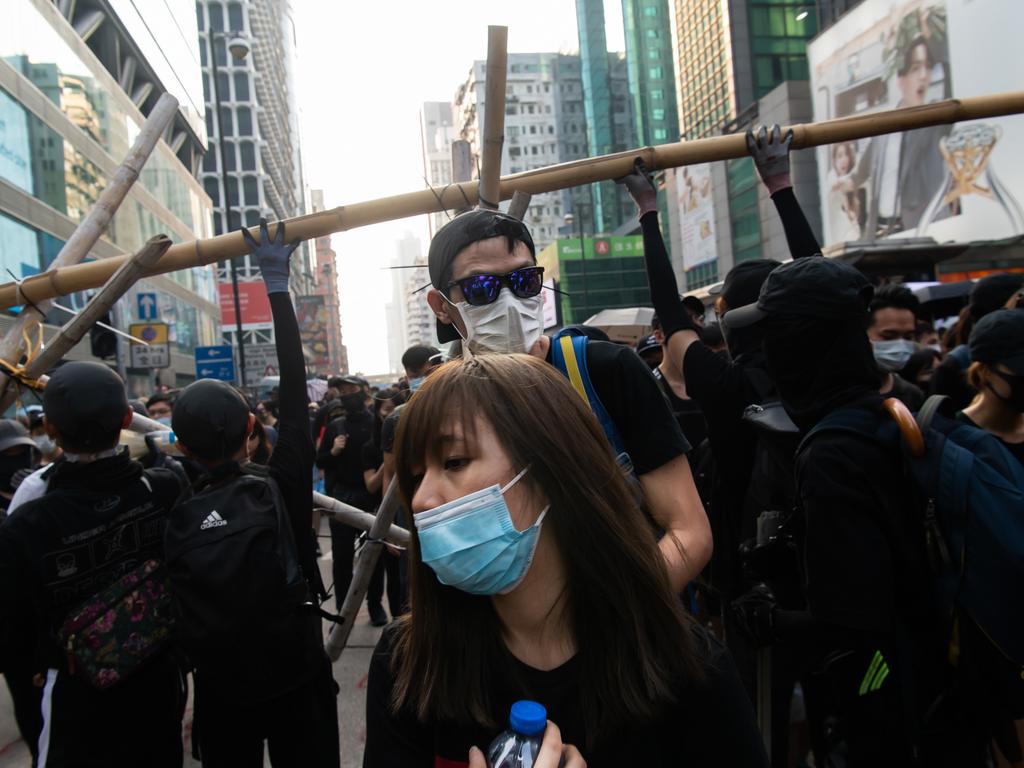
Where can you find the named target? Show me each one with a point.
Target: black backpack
(237, 588)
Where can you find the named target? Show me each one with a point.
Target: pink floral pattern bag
(116, 631)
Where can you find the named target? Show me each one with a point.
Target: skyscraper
(257, 123)
(436, 135)
(327, 287)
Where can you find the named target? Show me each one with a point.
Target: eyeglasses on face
(479, 290)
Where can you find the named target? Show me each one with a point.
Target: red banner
(252, 300)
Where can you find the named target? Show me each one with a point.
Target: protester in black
(576, 611)
(997, 373)
(879, 652)
(892, 326)
(477, 256)
(388, 564)
(101, 517)
(297, 714)
(340, 455)
(990, 293)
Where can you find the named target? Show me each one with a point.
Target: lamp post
(570, 220)
(239, 49)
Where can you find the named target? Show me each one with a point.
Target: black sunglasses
(484, 289)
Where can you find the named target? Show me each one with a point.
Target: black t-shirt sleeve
(708, 376)
(633, 399)
(393, 739)
(388, 430)
(372, 458)
(799, 235)
(847, 552)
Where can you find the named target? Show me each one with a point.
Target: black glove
(755, 614)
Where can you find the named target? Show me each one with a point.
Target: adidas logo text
(213, 520)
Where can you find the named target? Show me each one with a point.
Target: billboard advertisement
(962, 182)
(252, 300)
(311, 312)
(696, 214)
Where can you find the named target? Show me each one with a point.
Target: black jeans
(390, 565)
(343, 538)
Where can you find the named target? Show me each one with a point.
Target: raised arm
(770, 151)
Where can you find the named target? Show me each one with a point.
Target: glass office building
(73, 96)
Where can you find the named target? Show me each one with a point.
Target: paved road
(349, 671)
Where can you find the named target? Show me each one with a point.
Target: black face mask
(353, 403)
(1016, 397)
(9, 465)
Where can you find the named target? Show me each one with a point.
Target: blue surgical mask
(416, 383)
(893, 355)
(472, 545)
(165, 420)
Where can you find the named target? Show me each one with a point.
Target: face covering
(9, 465)
(46, 444)
(416, 383)
(165, 420)
(353, 403)
(1015, 399)
(472, 545)
(506, 325)
(893, 355)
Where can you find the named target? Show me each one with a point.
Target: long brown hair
(635, 644)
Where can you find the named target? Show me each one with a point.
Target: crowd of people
(731, 545)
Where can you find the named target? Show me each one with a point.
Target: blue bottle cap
(528, 718)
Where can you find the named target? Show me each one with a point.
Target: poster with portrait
(959, 182)
(696, 214)
(311, 312)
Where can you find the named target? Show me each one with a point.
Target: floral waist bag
(117, 631)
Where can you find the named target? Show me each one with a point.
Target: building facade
(437, 132)
(327, 287)
(251, 112)
(74, 93)
(729, 56)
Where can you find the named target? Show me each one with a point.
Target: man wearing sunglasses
(487, 292)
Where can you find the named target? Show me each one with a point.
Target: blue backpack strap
(569, 355)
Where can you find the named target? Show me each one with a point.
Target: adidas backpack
(236, 584)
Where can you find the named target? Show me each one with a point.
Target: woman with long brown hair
(534, 574)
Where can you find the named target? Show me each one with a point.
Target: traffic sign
(147, 306)
(215, 363)
(156, 353)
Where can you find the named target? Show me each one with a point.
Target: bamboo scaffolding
(494, 117)
(357, 518)
(578, 172)
(365, 565)
(519, 205)
(89, 230)
(73, 332)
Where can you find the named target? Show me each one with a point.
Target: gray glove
(272, 256)
(641, 188)
(770, 151)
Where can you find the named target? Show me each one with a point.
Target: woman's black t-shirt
(711, 725)
(1017, 449)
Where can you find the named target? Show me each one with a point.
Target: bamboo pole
(357, 518)
(578, 172)
(462, 169)
(519, 205)
(494, 117)
(79, 325)
(90, 229)
(338, 638)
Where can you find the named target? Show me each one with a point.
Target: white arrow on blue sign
(215, 363)
(147, 306)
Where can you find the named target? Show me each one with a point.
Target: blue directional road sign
(215, 363)
(147, 306)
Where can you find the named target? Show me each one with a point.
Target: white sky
(364, 69)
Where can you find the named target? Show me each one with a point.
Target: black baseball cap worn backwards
(87, 403)
(462, 231)
(813, 286)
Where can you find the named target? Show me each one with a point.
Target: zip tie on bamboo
(576, 173)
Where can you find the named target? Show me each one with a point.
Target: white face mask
(893, 355)
(505, 326)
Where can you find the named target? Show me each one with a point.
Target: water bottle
(519, 745)
(166, 442)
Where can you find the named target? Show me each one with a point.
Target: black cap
(210, 418)
(694, 306)
(647, 343)
(993, 291)
(87, 403)
(998, 338)
(813, 286)
(13, 433)
(359, 381)
(742, 284)
(462, 231)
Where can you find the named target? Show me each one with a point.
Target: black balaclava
(819, 364)
(354, 403)
(11, 465)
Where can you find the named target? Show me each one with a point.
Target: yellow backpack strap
(572, 368)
